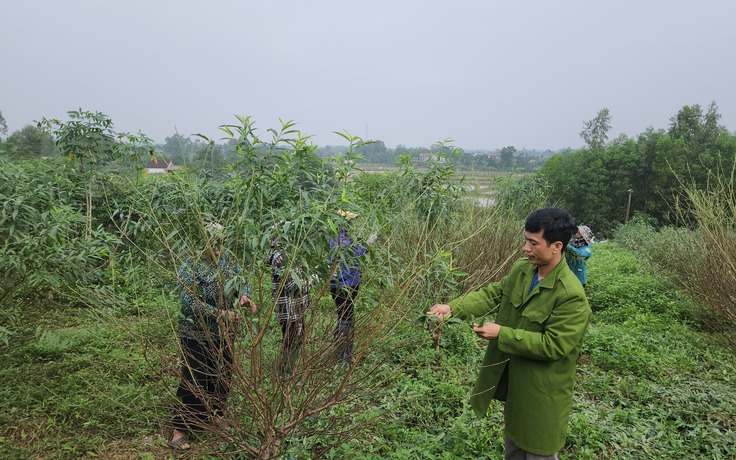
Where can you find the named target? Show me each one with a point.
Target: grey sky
(485, 73)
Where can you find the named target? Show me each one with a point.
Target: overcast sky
(485, 73)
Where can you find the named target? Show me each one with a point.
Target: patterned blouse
(292, 301)
(206, 290)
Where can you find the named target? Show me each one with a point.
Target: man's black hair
(557, 223)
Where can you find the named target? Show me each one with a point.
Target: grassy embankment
(651, 383)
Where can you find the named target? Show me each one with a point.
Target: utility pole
(628, 208)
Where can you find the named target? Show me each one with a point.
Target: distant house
(160, 166)
(429, 156)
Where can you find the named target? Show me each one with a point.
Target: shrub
(520, 195)
(621, 286)
(45, 243)
(699, 261)
(709, 274)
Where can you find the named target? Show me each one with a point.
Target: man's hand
(488, 331)
(441, 311)
(245, 300)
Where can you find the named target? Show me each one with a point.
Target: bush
(621, 286)
(520, 195)
(699, 261)
(46, 245)
(709, 274)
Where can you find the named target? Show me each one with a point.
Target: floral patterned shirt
(207, 289)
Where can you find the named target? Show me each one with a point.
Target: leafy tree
(595, 131)
(695, 148)
(375, 152)
(278, 189)
(620, 165)
(594, 183)
(28, 142)
(283, 180)
(507, 156)
(89, 138)
(697, 129)
(178, 148)
(3, 124)
(576, 183)
(696, 133)
(645, 196)
(400, 150)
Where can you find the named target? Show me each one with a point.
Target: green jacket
(532, 364)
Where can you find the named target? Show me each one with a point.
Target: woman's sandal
(179, 444)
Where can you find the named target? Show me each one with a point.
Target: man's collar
(531, 269)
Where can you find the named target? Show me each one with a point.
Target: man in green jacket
(534, 344)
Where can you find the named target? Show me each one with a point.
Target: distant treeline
(33, 141)
(602, 184)
(504, 159)
(607, 181)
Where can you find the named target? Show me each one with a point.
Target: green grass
(79, 386)
(651, 383)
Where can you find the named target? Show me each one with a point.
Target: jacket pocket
(536, 315)
(510, 303)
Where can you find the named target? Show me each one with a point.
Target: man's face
(538, 250)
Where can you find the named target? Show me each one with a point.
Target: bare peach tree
(279, 190)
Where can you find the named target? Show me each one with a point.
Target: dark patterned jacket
(207, 289)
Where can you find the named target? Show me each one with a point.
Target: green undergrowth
(79, 384)
(651, 383)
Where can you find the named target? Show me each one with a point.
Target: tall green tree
(579, 183)
(29, 142)
(595, 131)
(89, 138)
(690, 153)
(507, 157)
(178, 148)
(3, 125)
(697, 129)
(376, 152)
(644, 194)
(620, 161)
